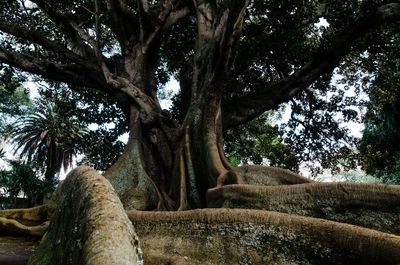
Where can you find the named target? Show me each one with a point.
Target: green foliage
(258, 141)
(100, 147)
(48, 135)
(316, 130)
(278, 38)
(380, 144)
(14, 99)
(23, 179)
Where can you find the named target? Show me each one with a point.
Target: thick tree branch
(38, 38)
(165, 9)
(73, 74)
(145, 102)
(324, 61)
(118, 9)
(77, 36)
(218, 29)
(176, 15)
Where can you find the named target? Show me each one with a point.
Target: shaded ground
(16, 250)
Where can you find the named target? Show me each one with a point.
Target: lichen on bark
(89, 225)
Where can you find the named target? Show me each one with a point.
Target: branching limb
(118, 9)
(166, 7)
(324, 61)
(38, 38)
(175, 16)
(70, 27)
(145, 102)
(69, 73)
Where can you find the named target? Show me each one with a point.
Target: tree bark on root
(89, 225)
(238, 236)
(25, 222)
(372, 206)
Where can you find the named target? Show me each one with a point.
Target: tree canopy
(234, 60)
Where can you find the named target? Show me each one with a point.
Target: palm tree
(48, 136)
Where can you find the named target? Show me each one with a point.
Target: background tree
(379, 146)
(48, 136)
(14, 99)
(21, 180)
(259, 142)
(100, 146)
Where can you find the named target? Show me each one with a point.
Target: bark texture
(372, 206)
(230, 236)
(89, 225)
(25, 222)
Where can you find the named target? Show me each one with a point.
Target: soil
(16, 250)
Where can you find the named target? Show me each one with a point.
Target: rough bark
(265, 175)
(230, 236)
(89, 225)
(372, 206)
(25, 222)
(173, 166)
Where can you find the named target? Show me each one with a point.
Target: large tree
(234, 61)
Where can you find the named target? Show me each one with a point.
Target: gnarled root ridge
(266, 175)
(88, 226)
(372, 206)
(24, 222)
(237, 236)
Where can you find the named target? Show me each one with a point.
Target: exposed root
(25, 222)
(89, 225)
(372, 206)
(13, 227)
(265, 175)
(28, 216)
(234, 236)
